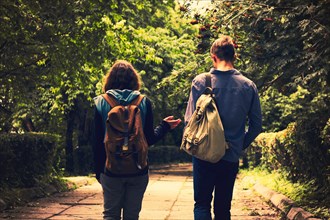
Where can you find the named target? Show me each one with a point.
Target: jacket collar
(124, 96)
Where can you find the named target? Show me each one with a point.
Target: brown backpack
(125, 144)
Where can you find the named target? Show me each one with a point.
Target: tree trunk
(84, 154)
(28, 125)
(82, 140)
(69, 165)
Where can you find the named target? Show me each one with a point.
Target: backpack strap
(208, 80)
(110, 100)
(137, 100)
(208, 84)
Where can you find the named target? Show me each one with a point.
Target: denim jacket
(238, 103)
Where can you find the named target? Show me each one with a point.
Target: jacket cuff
(97, 175)
(166, 126)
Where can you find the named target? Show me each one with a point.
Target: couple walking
(238, 102)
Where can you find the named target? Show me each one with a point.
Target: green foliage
(279, 109)
(152, 52)
(54, 55)
(26, 159)
(41, 50)
(289, 152)
(325, 134)
(280, 43)
(304, 162)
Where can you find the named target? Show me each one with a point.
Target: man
(238, 102)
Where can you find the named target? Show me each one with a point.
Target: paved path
(169, 196)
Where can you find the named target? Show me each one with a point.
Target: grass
(306, 195)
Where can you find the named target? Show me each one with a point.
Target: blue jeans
(219, 177)
(123, 194)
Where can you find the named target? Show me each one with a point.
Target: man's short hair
(224, 48)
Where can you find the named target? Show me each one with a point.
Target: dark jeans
(219, 177)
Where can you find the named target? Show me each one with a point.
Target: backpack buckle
(124, 147)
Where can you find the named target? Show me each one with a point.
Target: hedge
(167, 154)
(158, 154)
(284, 151)
(27, 158)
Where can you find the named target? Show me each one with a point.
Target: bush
(167, 154)
(273, 150)
(300, 158)
(26, 159)
(298, 152)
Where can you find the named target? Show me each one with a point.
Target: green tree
(284, 47)
(155, 52)
(55, 54)
(280, 110)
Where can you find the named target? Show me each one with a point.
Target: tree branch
(6, 111)
(266, 85)
(8, 72)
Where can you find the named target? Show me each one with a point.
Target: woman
(124, 193)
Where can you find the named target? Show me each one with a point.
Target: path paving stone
(169, 196)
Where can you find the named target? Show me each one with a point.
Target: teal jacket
(124, 97)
